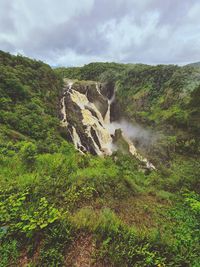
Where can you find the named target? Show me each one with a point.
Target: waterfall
(133, 151)
(94, 122)
(97, 88)
(63, 112)
(63, 108)
(76, 140)
(88, 128)
(107, 116)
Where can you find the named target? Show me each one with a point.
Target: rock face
(86, 112)
(126, 146)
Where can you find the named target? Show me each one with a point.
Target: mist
(140, 136)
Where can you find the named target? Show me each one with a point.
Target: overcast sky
(76, 32)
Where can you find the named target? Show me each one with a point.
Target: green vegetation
(29, 93)
(52, 198)
(166, 97)
(92, 71)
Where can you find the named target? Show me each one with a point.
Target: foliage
(92, 71)
(120, 245)
(186, 233)
(29, 92)
(165, 97)
(50, 194)
(8, 253)
(28, 153)
(18, 215)
(57, 238)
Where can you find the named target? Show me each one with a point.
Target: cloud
(77, 32)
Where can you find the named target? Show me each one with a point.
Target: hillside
(82, 205)
(163, 98)
(196, 64)
(29, 98)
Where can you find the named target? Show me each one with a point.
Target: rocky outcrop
(83, 116)
(93, 91)
(126, 146)
(86, 114)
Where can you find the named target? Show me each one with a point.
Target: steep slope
(86, 113)
(29, 100)
(161, 98)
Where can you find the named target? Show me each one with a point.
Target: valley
(99, 165)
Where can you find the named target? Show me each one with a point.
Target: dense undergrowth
(50, 195)
(47, 200)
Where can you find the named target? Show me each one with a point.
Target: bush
(28, 153)
(85, 219)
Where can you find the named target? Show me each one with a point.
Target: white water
(133, 151)
(64, 121)
(70, 83)
(101, 126)
(97, 87)
(63, 112)
(76, 139)
(107, 116)
(93, 122)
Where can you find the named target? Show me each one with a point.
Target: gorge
(76, 186)
(86, 115)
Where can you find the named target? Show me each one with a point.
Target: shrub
(108, 223)
(85, 219)
(51, 257)
(8, 253)
(25, 217)
(57, 238)
(28, 153)
(164, 195)
(76, 195)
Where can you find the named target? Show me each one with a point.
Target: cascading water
(63, 108)
(92, 120)
(90, 129)
(107, 116)
(76, 140)
(97, 88)
(133, 151)
(63, 112)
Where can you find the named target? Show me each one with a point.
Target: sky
(76, 32)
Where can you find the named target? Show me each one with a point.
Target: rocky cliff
(86, 115)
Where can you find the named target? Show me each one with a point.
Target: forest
(59, 207)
